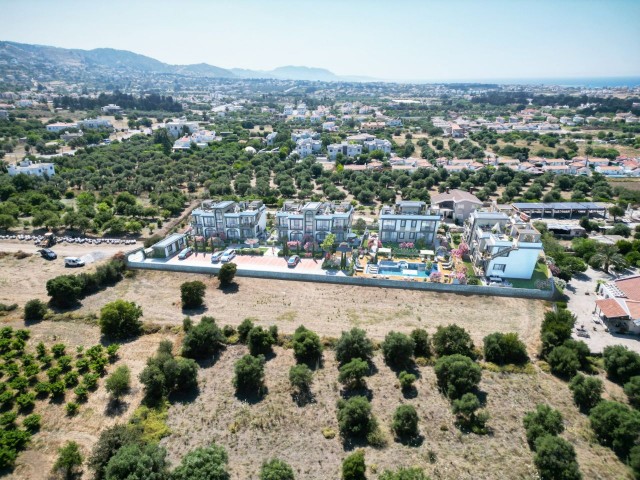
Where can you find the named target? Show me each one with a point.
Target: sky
(391, 39)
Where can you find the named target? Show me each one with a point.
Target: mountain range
(103, 60)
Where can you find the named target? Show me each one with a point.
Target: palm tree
(608, 255)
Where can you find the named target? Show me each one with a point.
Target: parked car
(228, 255)
(48, 254)
(186, 252)
(215, 258)
(293, 261)
(73, 262)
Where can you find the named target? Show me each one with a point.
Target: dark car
(293, 261)
(48, 254)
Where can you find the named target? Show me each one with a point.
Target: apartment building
(61, 126)
(383, 145)
(230, 220)
(176, 128)
(95, 123)
(407, 222)
(314, 220)
(502, 246)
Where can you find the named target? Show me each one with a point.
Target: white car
(73, 262)
(215, 258)
(228, 255)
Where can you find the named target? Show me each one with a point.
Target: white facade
(347, 149)
(230, 220)
(271, 138)
(95, 123)
(29, 168)
(313, 221)
(111, 108)
(175, 127)
(61, 126)
(307, 146)
(379, 144)
(408, 222)
(501, 246)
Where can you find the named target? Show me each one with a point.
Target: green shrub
(26, 401)
(137, 462)
(64, 363)
(82, 393)
(616, 426)
(468, 417)
(406, 380)
(203, 340)
(563, 361)
(205, 463)
(457, 375)
(227, 273)
(34, 310)
(587, 391)
(243, 330)
(192, 294)
(353, 467)
(452, 340)
(72, 408)
(404, 474)
(90, 380)
(621, 363)
(69, 460)
(71, 379)
(422, 343)
(58, 350)
(109, 442)
(41, 389)
(505, 348)
(260, 341)
(249, 374)
(355, 418)
(353, 344)
(112, 352)
(119, 382)
(301, 377)
(397, 349)
(352, 373)
(556, 458)
(306, 346)
(543, 421)
(276, 469)
(57, 389)
(405, 422)
(32, 422)
(120, 320)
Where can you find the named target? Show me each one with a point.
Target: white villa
(175, 128)
(307, 146)
(230, 220)
(61, 126)
(95, 123)
(502, 246)
(347, 149)
(314, 220)
(29, 168)
(271, 138)
(378, 144)
(620, 304)
(408, 221)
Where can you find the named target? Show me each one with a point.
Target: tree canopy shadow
(185, 397)
(252, 398)
(116, 407)
(416, 441)
(229, 288)
(364, 391)
(195, 311)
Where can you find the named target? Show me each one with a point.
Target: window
(208, 221)
(414, 223)
(403, 223)
(412, 235)
(401, 235)
(499, 267)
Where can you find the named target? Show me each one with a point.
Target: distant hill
(45, 63)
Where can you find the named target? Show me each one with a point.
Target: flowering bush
(308, 255)
(554, 269)
(406, 245)
(461, 277)
(463, 248)
(293, 244)
(435, 277)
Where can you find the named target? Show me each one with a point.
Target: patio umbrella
(344, 248)
(252, 242)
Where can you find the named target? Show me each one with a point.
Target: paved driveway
(250, 262)
(582, 296)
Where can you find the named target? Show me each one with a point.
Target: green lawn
(541, 272)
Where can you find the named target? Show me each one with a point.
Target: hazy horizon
(493, 40)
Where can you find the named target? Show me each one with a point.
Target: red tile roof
(611, 308)
(630, 287)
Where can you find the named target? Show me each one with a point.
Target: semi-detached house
(408, 221)
(230, 220)
(313, 221)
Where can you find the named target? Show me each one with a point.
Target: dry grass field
(276, 426)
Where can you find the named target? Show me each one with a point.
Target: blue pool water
(387, 267)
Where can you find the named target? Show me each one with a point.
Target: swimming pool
(407, 269)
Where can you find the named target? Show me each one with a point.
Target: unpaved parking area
(582, 296)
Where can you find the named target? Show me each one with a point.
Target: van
(73, 262)
(228, 255)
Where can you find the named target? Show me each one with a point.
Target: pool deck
(446, 273)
